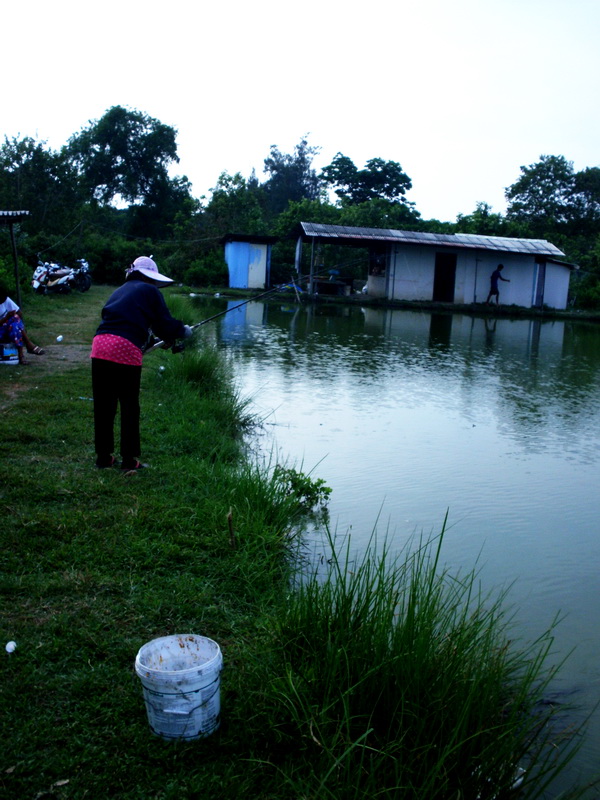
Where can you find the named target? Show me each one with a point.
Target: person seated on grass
(12, 327)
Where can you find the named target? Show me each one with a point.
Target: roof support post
(15, 260)
(10, 218)
(298, 257)
(312, 266)
(477, 260)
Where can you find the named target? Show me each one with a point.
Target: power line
(61, 240)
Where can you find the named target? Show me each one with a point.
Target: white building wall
(524, 273)
(518, 269)
(462, 279)
(411, 275)
(556, 289)
(376, 285)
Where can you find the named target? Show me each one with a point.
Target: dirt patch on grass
(63, 356)
(15, 378)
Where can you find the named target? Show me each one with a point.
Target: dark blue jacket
(135, 309)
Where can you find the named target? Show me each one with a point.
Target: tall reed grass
(390, 678)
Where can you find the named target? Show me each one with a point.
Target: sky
(462, 94)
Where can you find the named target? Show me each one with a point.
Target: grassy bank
(390, 679)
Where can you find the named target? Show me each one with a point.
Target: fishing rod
(178, 348)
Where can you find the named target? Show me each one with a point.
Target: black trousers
(116, 385)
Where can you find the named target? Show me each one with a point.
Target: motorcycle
(52, 278)
(83, 279)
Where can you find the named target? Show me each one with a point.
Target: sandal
(104, 463)
(37, 351)
(133, 466)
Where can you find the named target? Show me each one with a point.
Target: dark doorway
(445, 275)
(378, 254)
(538, 300)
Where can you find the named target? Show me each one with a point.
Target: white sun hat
(148, 267)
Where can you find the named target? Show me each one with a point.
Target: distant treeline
(107, 195)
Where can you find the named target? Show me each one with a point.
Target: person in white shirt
(12, 328)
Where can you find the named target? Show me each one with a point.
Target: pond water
(409, 416)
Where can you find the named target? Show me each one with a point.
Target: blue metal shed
(248, 260)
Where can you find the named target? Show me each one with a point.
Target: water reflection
(407, 415)
(538, 380)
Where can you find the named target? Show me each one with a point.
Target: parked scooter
(51, 278)
(82, 276)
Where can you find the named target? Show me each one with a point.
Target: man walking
(494, 278)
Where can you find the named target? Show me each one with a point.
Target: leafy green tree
(108, 252)
(483, 222)
(234, 206)
(585, 199)
(380, 213)
(287, 224)
(124, 155)
(378, 180)
(582, 239)
(39, 180)
(542, 194)
(557, 203)
(291, 177)
(171, 198)
(286, 228)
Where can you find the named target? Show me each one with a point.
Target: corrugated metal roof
(469, 241)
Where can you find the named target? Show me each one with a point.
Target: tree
(380, 213)
(378, 180)
(124, 155)
(170, 199)
(41, 181)
(286, 228)
(559, 204)
(542, 194)
(585, 199)
(234, 206)
(291, 177)
(482, 222)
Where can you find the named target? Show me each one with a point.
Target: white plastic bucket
(180, 677)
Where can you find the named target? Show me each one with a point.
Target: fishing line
(291, 284)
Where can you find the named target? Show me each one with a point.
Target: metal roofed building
(453, 268)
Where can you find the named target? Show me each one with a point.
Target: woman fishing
(134, 311)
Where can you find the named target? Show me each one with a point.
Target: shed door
(444, 278)
(540, 284)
